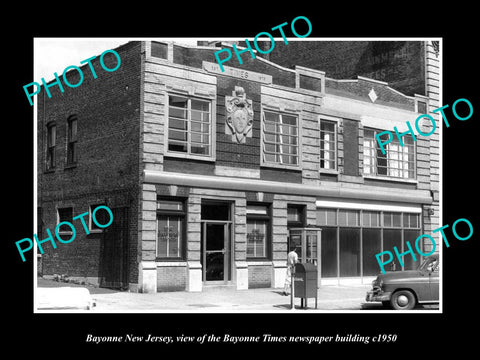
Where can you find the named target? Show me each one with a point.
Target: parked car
(402, 290)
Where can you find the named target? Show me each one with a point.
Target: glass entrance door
(215, 251)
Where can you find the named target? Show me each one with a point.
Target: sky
(55, 54)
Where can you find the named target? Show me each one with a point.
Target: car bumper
(378, 296)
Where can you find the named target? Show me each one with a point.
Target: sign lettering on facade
(237, 73)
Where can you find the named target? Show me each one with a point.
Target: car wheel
(403, 300)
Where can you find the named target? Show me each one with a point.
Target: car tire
(403, 300)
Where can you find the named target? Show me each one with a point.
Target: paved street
(226, 299)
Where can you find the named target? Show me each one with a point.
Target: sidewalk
(220, 299)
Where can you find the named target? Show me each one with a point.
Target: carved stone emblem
(239, 118)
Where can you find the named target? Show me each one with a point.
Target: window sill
(95, 231)
(64, 233)
(281, 166)
(190, 157)
(329, 171)
(170, 262)
(259, 262)
(391, 179)
(70, 166)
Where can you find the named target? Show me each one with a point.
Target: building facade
(207, 172)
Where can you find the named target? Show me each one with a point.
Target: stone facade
(191, 179)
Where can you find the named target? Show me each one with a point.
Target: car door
(434, 282)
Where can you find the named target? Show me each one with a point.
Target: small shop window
(258, 231)
(171, 228)
(295, 215)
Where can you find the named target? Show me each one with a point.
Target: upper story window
(328, 145)
(51, 142)
(280, 138)
(72, 140)
(398, 161)
(189, 126)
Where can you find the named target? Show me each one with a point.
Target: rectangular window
(349, 252)
(329, 252)
(370, 218)
(421, 107)
(411, 221)
(348, 217)
(170, 229)
(410, 236)
(398, 161)
(379, 230)
(189, 126)
(258, 224)
(280, 138)
(65, 214)
(391, 238)
(51, 141)
(72, 140)
(391, 219)
(295, 215)
(327, 217)
(372, 242)
(102, 217)
(328, 145)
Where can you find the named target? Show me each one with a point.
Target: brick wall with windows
(95, 157)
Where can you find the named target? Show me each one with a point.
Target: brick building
(208, 172)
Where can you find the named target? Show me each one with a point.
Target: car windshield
(428, 264)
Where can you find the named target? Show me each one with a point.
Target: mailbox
(305, 282)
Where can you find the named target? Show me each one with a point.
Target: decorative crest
(239, 118)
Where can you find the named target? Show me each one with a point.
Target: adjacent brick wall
(400, 63)
(107, 169)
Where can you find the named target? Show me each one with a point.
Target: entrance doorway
(216, 244)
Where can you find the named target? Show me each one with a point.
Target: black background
(57, 334)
